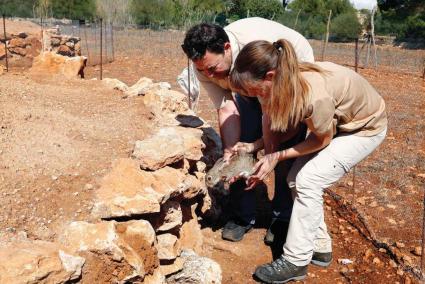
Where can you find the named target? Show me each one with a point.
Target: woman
(346, 121)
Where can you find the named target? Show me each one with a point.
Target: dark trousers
(243, 202)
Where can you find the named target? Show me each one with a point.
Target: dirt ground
(58, 138)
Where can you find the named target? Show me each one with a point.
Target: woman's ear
(270, 75)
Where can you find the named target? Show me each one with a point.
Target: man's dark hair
(202, 38)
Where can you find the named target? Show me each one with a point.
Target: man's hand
(228, 153)
(242, 147)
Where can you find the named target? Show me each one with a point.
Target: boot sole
(321, 263)
(297, 278)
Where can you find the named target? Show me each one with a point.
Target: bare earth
(58, 138)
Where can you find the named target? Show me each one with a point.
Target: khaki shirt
(242, 32)
(343, 101)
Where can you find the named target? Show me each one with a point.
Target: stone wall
(144, 224)
(29, 45)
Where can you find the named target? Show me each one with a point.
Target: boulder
(55, 64)
(171, 216)
(115, 84)
(190, 232)
(129, 191)
(3, 39)
(3, 52)
(38, 262)
(139, 87)
(22, 51)
(171, 267)
(164, 100)
(143, 86)
(55, 41)
(114, 252)
(17, 42)
(65, 51)
(179, 143)
(196, 270)
(22, 35)
(168, 247)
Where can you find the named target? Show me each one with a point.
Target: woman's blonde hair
(289, 96)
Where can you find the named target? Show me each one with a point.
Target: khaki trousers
(308, 178)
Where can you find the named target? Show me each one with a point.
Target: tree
(345, 27)
(267, 9)
(405, 18)
(17, 8)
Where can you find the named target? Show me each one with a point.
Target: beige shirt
(242, 32)
(343, 101)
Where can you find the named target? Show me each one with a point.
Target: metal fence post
(5, 42)
(112, 42)
(101, 36)
(356, 55)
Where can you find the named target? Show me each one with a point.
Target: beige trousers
(308, 178)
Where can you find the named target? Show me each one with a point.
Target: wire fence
(155, 40)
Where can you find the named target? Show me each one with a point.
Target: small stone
(393, 264)
(392, 221)
(344, 270)
(400, 272)
(399, 245)
(417, 251)
(88, 186)
(54, 177)
(382, 250)
(391, 206)
(373, 204)
(368, 253)
(376, 261)
(407, 259)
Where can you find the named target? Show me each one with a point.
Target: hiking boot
(280, 271)
(234, 230)
(322, 259)
(277, 231)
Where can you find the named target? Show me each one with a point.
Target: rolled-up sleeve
(217, 94)
(321, 117)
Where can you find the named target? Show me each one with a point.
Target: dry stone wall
(31, 45)
(144, 224)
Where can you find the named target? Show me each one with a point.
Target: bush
(268, 9)
(345, 27)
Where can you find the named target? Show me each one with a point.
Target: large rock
(171, 216)
(168, 146)
(128, 191)
(168, 247)
(115, 84)
(145, 85)
(17, 42)
(49, 63)
(190, 232)
(114, 252)
(164, 100)
(196, 270)
(38, 262)
(65, 51)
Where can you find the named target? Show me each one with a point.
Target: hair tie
(277, 45)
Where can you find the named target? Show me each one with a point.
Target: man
(213, 51)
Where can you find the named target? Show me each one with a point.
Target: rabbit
(239, 165)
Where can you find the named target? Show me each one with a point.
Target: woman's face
(261, 88)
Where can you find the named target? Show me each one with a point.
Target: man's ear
(227, 46)
(270, 75)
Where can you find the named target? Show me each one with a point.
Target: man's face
(215, 65)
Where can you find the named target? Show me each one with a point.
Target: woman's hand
(262, 168)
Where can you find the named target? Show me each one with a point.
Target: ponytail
(289, 98)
